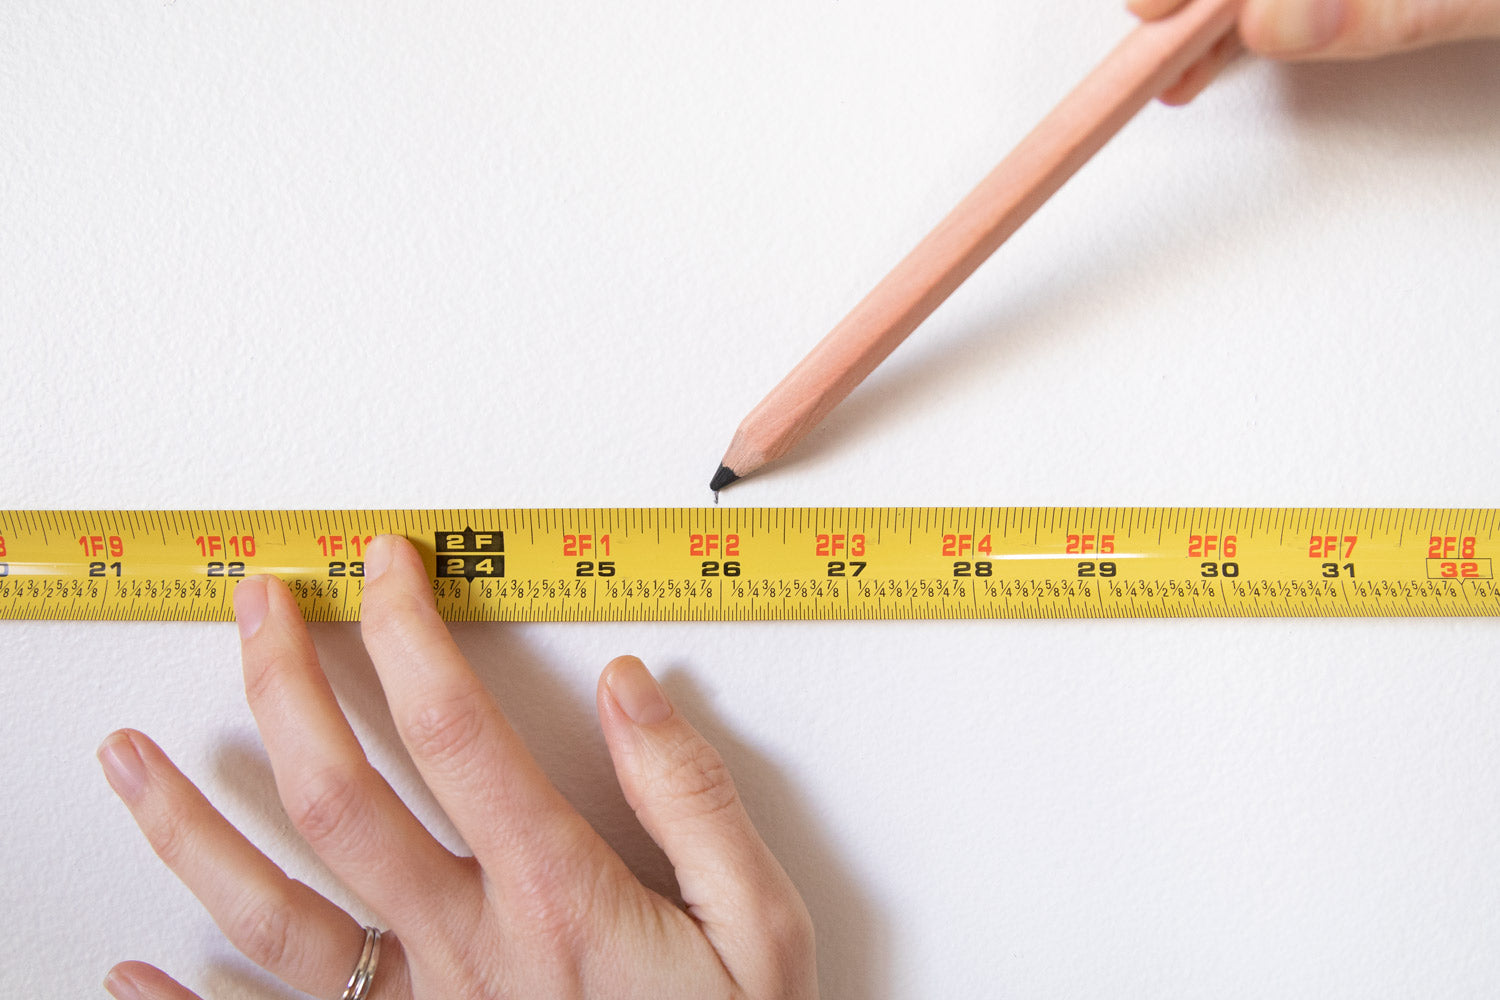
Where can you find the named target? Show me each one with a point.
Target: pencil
(1149, 60)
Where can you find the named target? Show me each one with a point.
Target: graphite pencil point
(722, 478)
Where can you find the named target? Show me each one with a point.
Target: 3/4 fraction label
(611, 564)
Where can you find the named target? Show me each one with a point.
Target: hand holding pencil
(1174, 54)
(1330, 29)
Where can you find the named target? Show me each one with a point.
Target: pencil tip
(721, 479)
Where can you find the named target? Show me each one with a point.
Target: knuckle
(787, 936)
(446, 732)
(171, 833)
(555, 897)
(264, 674)
(391, 619)
(552, 920)
(792, 929)
(1406, 25)
(262, 929)
(696, 779)
(327, 806)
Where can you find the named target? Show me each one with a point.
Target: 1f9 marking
(98, 545)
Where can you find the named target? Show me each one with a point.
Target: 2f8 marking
(1438, 547)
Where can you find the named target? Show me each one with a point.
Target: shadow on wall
(552, 708)
(1447, 94)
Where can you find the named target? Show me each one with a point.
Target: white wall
(517, 254)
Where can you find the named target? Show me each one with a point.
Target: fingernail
(121, 986)
(378, 557)
(123, 767)
(1303, 25)
(636, 691)
(250, 604)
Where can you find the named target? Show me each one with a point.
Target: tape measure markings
(768, 563)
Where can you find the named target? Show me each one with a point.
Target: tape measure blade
(742, 564)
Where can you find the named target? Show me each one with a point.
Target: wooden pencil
(1148, 61)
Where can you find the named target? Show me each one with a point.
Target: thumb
(1352, 29)
(681, 791)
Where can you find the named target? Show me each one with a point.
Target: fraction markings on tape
(747, 564)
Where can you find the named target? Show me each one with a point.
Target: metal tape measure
(746, 564)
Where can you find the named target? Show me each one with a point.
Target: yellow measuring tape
(727, 564)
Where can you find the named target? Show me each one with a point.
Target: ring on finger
(363, 975)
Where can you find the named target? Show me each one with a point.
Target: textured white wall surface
(533, 254)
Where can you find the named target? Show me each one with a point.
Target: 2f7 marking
(1331, 546)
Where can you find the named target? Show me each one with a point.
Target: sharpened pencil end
(722, 478)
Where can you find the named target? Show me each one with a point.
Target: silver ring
(364, 970)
